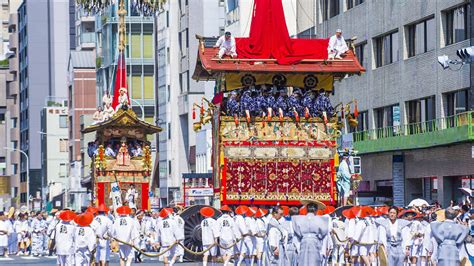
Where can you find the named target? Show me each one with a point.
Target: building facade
(9, 111)
(55, 152)
(177, 49)
(42, 71)
(414, 132)
(81, 102)
(82, 31)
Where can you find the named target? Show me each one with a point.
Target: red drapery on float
(269, 37)
(120, 80)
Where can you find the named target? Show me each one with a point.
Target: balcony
(13, 41)
(13, 65)
(14, 157)
(438, 132)
(13, 88)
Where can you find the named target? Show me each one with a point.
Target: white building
(54, 153)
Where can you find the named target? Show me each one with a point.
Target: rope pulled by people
(162, 252)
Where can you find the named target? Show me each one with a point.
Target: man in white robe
(64, 234)
(124, 229)
(337, 45)
(226, 45)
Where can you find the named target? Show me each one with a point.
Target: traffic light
(466, 54)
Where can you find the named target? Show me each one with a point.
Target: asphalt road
(28, 260)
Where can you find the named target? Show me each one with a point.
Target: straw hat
(207, 212)
(92, 210)
(303, 210)
(102, 208)
(165, 212)
(11, 212)
(84, 219)
(67, 215)
(321, 206)
(124, 210)
(260, 213)
(241, 210)
(226, 208)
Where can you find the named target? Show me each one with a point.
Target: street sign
(200, 192)
(154, 202)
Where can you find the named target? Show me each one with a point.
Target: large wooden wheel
(192, 230)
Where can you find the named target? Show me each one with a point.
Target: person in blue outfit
(269, 101)
(294, 103)
(281, 103)
(247, 103)
(261, 103)
(233, 106)
(307, 103)
(323, 104)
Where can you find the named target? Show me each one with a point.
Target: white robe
(65, 234)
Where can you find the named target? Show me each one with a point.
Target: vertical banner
(115, 195)
(398, 176)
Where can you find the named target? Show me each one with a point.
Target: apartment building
(415, 126)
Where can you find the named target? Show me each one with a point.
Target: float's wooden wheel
(192, 230)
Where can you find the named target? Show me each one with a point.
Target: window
(330, 8)
(386, 49)
(14, 169)
(62, 170)
(363, 122)
(169, 167)
(388, 116)
(184, 81)
(421, 37)
(419, 111)
(63, 145)
(3, 166)
(23, 197)
(63, 121)
(353, 3)
(456, 102)
(169, 130)
(359, 51)
(232, 4)
(457, 24)
(14, 144)
(2, 118)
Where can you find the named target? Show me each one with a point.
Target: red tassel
(247, 114)
(236, 120)
(194, 113)
(356, 110)
(342, 113)
(269, 115)
(297, 117)
(306, 112)
(202, 108)
(325, 117)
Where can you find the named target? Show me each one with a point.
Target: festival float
(270, 159)
(274, 159)
(118, 171)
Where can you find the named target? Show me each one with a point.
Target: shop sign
(200, 192)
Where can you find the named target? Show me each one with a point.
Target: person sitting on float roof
(337, 45)
(226, 45)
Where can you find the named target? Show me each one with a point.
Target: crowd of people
(270, 101)
(311, 235)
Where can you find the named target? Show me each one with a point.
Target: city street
(26, 260)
